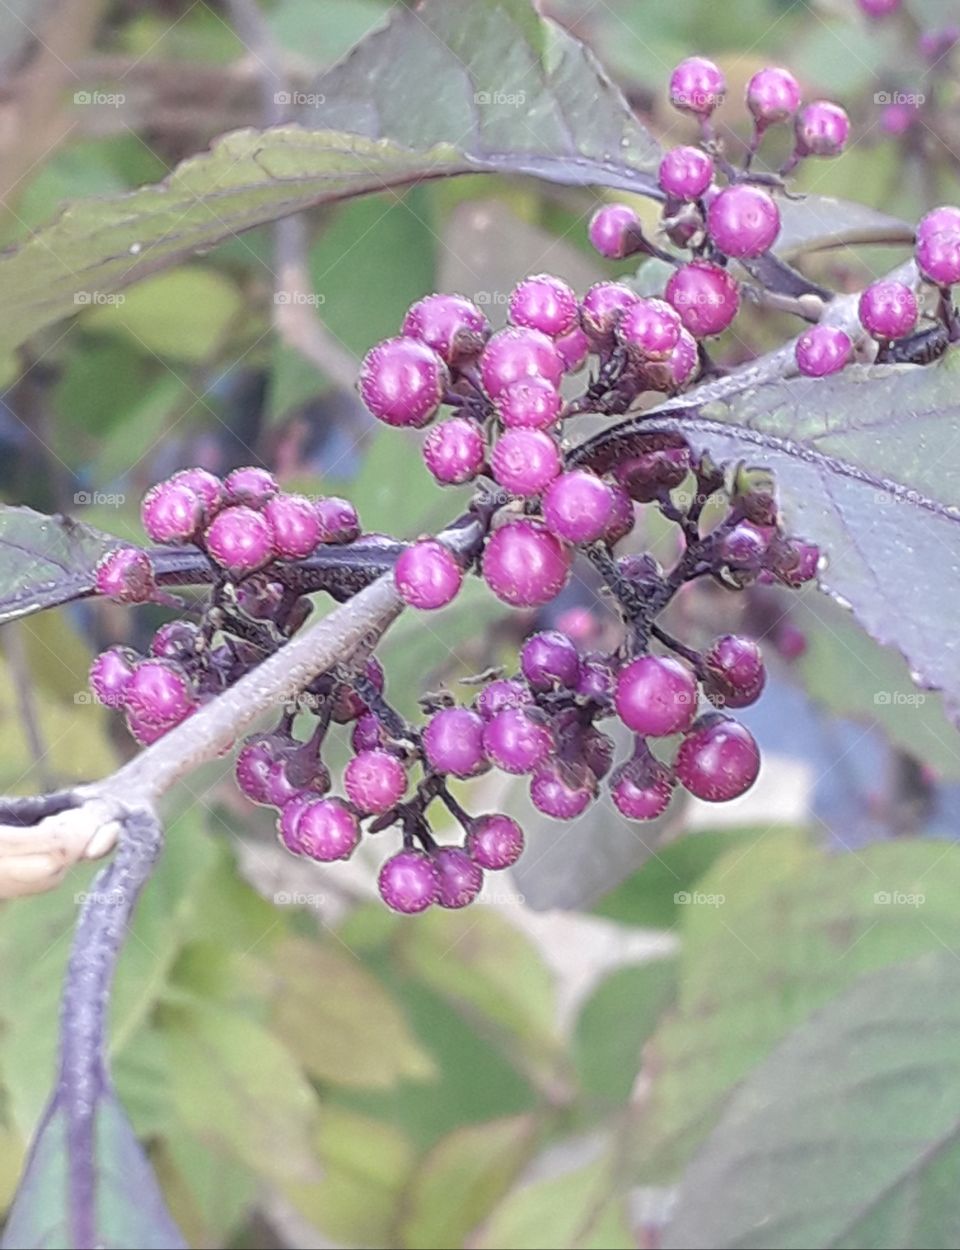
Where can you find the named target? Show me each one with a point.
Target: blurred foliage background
(304, 1068)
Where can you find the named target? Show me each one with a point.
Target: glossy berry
(683, 362)
(337, 519)
(171, 512)
(453, 742)
(206, 486)
(109, 674)
(525, 462)
(602, 307)
(938, 257)
(736, 674)
(251, 486)
(888, 310)
(427, 575)
(773, 96)
(143, 731)
(532, 404)
(578, 506)
(549, 660)
(517, 740)
(325, 830)
(375, 781)
(494, 842)
(289, 818)
(544, 303)
(615, 231)
(524, 564)
(623, 516)
(402, 382)
(562, 791)
(409, 882)
(796, 562)
(453, 326)
(460, 878)
(503, 693)
(240, 540)
(705, 297)
(697, 86)
(942, 220)
(517, 353)
(743, 221)
(454, 451)
(255, 759)
(656, 696)
(744, 547)
(719, 760)
(159, 693)
(126, 575)
(685, 173)
(822, 129)
(294, 525)
(649, 329)
(823, 350)
(642, 788)
(573, 349)
(367, 733)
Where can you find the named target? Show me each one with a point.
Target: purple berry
(453, 742)
(110, 673)
(623, 516)
(337, 519)
(494, 842)
(544, 303)
(427, 575)
(525, 462)
(294, 526)
(171, 512)
(145, 732)
(938, 257)
(573, 349)
(744, 547)
(597, 680)
(409, 882)
(896, 119)
(823, 350)
(500, 694)
(532, 404)
(642, 788)
(942, 220)
(603, 305)
(563, 791)
(375, 781)
(888, 310)
(402, 382)
(325, 830)
(578, 506)
(656, 695)
(206, 486)
(517, 740)
(743, 221)
(368, 734)
(279, 787)
(935, 45)
(240, 540)
(705, 297)
(735, 672)
(524, 564)
(451, 325)
(773, 96)
(515, 354)
(685, 173)
(159, 693)
(646, 475)
(795, 562)
(719, 760)
(697, 86)
(615, 231)
(550, 660)
(822, 129)
(460, 878)
(649, 329)
(251, 486)
(126, 575)
(684, 361)
(454, 451)
(176, 640)
(289, 819)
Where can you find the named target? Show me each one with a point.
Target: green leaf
(848, 1134)
(462, 1178)
(126, 1207)
(614, 1025)
(772, 933)
(463, 80)
(339, 1020)
(238, 1089)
